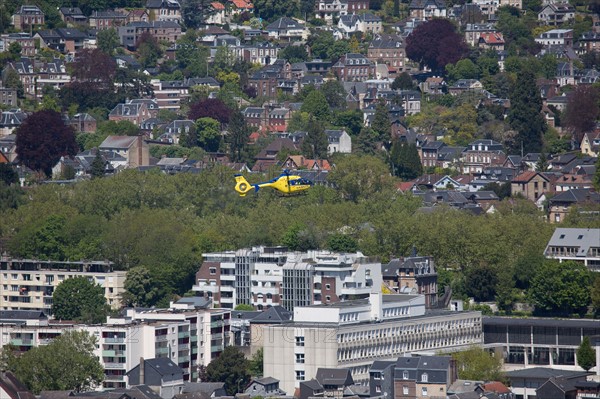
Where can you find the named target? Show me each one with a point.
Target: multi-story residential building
(189, 333)
(25, 39)
(412, 275)
(352, 67)
(352, 334)
(589, 41)
(264, 276)
(263, 53)
(561, 37)
(27, 17)
(389, 50)
(482, 153)
(135, 113)
(28, 284)
(287, 29)
(107, 19)
(162, 31)
(575, 200)
(34, 75)
(581, 245)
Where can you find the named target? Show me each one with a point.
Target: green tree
(108, 40)
(542, 163)
(231, 367)
(293, 54)
(338, 242)
(8, 175)
(381, 124)
(209, 134)
(480, 282)
(406, 163)
(463, 69)
(67, 363)
(140, 290)
(595, 294)
(98, 166)
(79, 299)
(525, 115)
(403, 82)
(478, 364)
(11, 80)
(367, 142)
(314, 145)
(256, 364)
(361, 177)
(316, 105)
(560, 288)
(148, 49)
(237, 136)
(586, 355)
(335, 94)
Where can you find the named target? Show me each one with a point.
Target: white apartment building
(28, 284)
(189, 335)
(353, 334)
(580, 245)
(263, 276)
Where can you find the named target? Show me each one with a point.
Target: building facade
(353, 334)
(28, 284)
(580, 245)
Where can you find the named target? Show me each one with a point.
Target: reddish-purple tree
(42, 139)
(582, 111)
(210, 108)
(94, 66)
(436, 44)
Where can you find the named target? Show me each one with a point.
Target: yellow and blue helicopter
(285, 183)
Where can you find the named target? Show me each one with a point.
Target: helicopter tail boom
(242, 186)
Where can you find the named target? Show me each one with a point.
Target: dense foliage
(81, 300)
(231, 367)
(42, 368)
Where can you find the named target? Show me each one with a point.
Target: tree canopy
(42, 139)
(436, 44)
(67, 363)
(231, 367)
(478, 364)
(586, 354)
(79, 299)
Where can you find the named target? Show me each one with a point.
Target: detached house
(162, 31)
(389, 50)
(353, 67)
(102, 20)
(164, 10)
(562, 203)
(135, 113)
(473, 32)
(287, 29)
(494, 41)
(339, 141)
(28, 16)
(133, 148)
(482, 153)
(530, 185)
(329, 10)
(556, 14)
(427, 9)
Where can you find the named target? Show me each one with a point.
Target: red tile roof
(496, 387)
(217, 6)
(492, 38)
(525, 177)
(242, 4)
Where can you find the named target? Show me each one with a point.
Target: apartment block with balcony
(353, 334)
(264, 276)
(579, 245)
(28, 284)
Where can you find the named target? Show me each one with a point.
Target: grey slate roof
(273, 315)
(583, 239)
(544, 373)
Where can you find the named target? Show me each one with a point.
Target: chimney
(142, 376)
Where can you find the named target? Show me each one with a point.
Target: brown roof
(525, 177)
(13, 387)
(496, 387)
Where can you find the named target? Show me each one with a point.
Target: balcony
(114, 340)
(113, 353)
(194, 351)
(216, 348)
(21, 341)
(114, 378)
(160, 338)
(215, 324)
(194, 338)
(118, 366)
(162, 351)
(183, 334)
(183, 346)
(183, 359)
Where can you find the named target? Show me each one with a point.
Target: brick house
(164, 10)
(389, 50)
(28, 16)
(135, 113)
(132, 148)
(353, 67)
(102, 20)
(162, 31)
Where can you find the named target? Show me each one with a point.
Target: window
(424, 377)
(213, 270)
(404, 390)
(300, 375)
(299, 341)
(299, 357)
(327, 286)
(377, 388)
(424, 391)
(405, 375)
